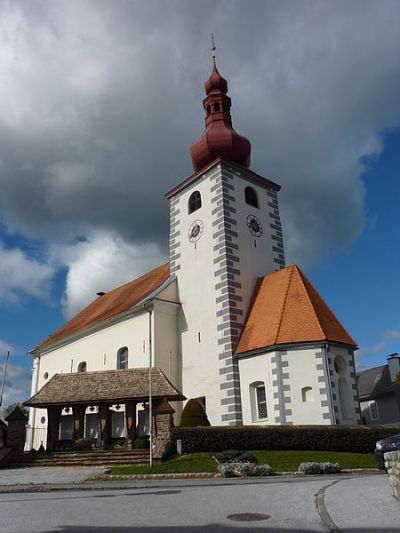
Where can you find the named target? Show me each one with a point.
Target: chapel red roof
(286, 308)
(110, 304)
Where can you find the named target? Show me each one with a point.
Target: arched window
(122, 358)
(258, 400)
(251, 197)
(82, 367)
(307, 394)
(339, 365)
(208, 110)
(216, 107)
(194, 201)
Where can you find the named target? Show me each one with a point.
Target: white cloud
(5, 347)
(96, 122)
(22, 275)
(101, 263)
(392, 334)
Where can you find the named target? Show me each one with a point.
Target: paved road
(358, 504)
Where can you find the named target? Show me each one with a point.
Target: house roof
(106, 386)
(110, 304)
(16, 414)
(286, 308)
(374, 382)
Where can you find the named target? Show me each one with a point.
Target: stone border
(214, 475)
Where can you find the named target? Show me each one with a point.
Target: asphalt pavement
(356, 504)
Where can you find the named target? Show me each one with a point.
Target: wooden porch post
(104, 424)
(130, 423)
(78, 412)
(53, 426)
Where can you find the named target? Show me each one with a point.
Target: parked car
(390, 444)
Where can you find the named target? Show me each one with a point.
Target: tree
(194, 415)
(398, 378)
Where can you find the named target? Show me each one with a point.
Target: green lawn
(280, 461)
(193, 462)
(288, 461)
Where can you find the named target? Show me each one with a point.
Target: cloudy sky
(100, 101)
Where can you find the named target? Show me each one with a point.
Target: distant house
(379, 395)
(3, 432)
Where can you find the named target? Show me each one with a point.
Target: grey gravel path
(43, 475)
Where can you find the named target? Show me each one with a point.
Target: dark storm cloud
(101, 100)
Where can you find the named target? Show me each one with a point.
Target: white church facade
(225, 320)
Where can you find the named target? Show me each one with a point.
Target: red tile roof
(286, 309)
(110, 304)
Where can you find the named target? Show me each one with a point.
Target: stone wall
(392, 462)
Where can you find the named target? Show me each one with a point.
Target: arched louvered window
(122, 358)
(251, 196)
(82, 367)
(194, 201)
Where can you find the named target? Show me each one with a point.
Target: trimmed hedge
(360, 439)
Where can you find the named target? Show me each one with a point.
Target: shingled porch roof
(106, 386)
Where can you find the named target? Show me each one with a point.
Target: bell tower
(225, 232)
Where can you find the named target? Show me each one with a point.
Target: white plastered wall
(287, 375)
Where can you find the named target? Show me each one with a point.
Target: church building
(224, 320)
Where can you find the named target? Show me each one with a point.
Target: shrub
(142, 442)
(319, 468)
(360, 439)
(228, 455)
(227, 470)
(84, 444)
(237, 469)
(193, 415)
(247, 457)
(262, 470)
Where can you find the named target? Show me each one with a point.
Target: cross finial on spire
(212, 46)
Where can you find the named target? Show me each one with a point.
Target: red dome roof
(215, 82)
(219, 139)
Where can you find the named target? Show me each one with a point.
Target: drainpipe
(149, 308)
(32, 410)
(328, 376)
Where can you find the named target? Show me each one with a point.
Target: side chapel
(223, 321)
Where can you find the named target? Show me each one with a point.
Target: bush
(238, 469)
(262, 470)
(360, 439)
(193, 415)
(227, 470)
(319, 468)
(142, 442)
(247, 457)
(228, 455)
(84, 444)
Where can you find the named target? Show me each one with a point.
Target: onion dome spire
(219, 139)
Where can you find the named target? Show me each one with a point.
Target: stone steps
(92, 458)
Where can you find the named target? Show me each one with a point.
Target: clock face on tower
(195, 230)
(254, 225)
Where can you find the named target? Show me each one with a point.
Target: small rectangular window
(261, 402)
(373, 410)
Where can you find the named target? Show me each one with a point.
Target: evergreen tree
(193, 415)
